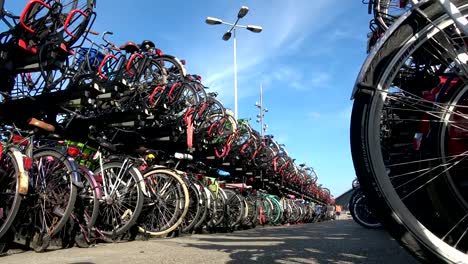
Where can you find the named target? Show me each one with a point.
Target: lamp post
(261, 115)
(263, 126)
(232, 32)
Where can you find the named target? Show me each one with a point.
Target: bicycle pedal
(127, 212)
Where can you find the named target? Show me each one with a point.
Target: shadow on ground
(329, 242)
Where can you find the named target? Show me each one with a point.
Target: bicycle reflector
(85, 156)
(27, 162)
(17, 139)
(222, 185)
(73, 151)
(200, 177)
(159, 52)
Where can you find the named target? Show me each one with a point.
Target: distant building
(343, 199)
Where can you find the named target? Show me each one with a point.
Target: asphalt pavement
(338, 242)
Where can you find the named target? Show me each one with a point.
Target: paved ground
(341, 241)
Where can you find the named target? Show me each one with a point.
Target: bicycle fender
(141, 181)
(76, 177)
(23, 174)
(362, 81)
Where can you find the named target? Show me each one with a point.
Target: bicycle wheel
(10, 199)
(213, 110)
(195, 209)
(253, 211)
(235, 205)
(409, 151)
(151, 75)
(89, 196)
(76, 22)
(220, 207)
(122, 199)
(51, 197)
(387, 11)
(39, 19)
(361, 212)
(277, 210)
(86, 209)
(247, 213)
(186, 97)
(205, 205)
(174, 68)
(84, 214)
(167, 204)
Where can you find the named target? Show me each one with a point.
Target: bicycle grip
(93, 32)
(181, 156)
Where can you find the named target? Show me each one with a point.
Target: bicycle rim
(169, 202)
(121, 207)
(10, 198)
(52, 175)
(408, 171)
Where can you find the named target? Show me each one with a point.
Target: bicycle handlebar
(4, 12)
(112, 45)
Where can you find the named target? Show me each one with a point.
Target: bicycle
(388, 109)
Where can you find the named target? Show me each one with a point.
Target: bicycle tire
(205, 206)
(72, 174)
(381, 10)
(359, 200)
(235, 205)
(15, 205)
(184, 206)
(277, 211)
(195, 205)
(396, 217)
(177, 71)
(219, 213)
(109, 229)
(91, 185)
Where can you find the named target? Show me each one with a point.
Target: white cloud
(339, 118)
(319, 78)
(295, 77)
(314, 115)
(287, 25)
(281, 138)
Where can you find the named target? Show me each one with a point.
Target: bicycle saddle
(169, 163)
(41, 124)
(108, 145)
(147, 44)
(130, 47)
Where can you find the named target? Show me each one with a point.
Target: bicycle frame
(126, 166)
(21, 159)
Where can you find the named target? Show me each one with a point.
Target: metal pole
(235, 75)
(262, 132)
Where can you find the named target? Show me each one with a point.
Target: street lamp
(226, 36)
(213, 21)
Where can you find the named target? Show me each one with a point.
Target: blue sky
(307, 58)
